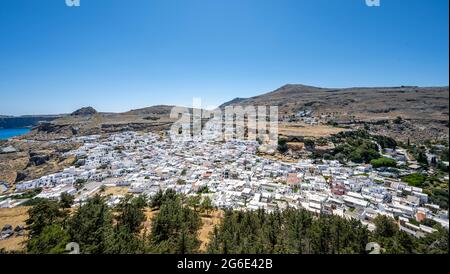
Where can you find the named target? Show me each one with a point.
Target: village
(235, 176)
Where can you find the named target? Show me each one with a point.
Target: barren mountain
(368, 103)
(423, 110)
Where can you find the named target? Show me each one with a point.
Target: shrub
(415, 179)
(383, 162)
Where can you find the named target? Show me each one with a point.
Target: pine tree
(52, 240)
(44, 213)
(175, 228)
(91, 226)
(207, 205)
(66, 200)
(194, 202)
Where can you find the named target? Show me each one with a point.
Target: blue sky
(117, 55)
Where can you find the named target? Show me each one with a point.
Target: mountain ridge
(297, 88)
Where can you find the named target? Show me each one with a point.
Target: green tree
(79, 184)
(161, 196)
(121, 241)
(43, 213)
(385, 141)
(385, 226)
(282, 145)
(207, 205)
(174, 229)
(383, 162)
(52, 240)
(398, 120)
(66, 200)
(421, 157)
(415, 179)
(309, 144)
(130, 213)
(91, 226)
(434, 243)
(292, 231)
(194, 202)
(156, 200)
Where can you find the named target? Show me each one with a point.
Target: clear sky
(117, 55)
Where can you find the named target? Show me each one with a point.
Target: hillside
(87, 121)
(416, 113)
(424, 110)
(365, 103)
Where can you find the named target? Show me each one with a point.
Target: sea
(12, 132)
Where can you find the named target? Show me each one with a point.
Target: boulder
(8, 149)
(7, 231)
(21, 176)
(7, 227)
(38, 160)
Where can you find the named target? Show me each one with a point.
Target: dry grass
(148, 222)
(13, 243)
(208, 223)
(13, 216)
(116, 190)
(10, 164)
(315, 131)
(280, 157)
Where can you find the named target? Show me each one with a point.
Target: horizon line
(175, 105)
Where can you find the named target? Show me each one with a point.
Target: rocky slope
(87, 121)
(424, 110)
(34, 159)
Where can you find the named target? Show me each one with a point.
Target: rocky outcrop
(235, 101)
(8, 149)
(21, 176)
(86, 111)
(109, 128)
(48, 127)
(38, 160)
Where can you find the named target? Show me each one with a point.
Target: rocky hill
(418, 113)
(367, 103)
(423, 110)
(87, 121)
(84, 111)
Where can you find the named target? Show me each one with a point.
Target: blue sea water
(11, 132)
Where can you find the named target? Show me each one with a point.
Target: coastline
(7, 133)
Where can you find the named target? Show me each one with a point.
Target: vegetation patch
(415, 179)
(383, 162)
